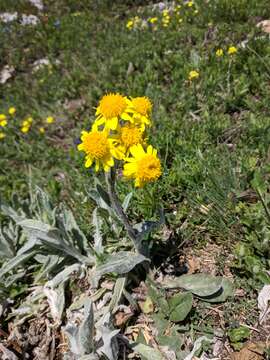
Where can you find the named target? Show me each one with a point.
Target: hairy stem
(117, 207)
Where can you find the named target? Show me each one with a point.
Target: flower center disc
(96, 145)
(142, 105)
(148, 168)
(112, 105)
(131, 136)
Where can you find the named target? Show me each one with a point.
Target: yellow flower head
(99, 148)
(50, 120)
(26, 123)
(12, 110)
(130, 24)
(153, 20)
(219, 52)
(3, 123)
(3, 117)
(129, 135)
(143, 167)
(140, 108)
(232, 50)
(193, 74)
(2, 135)
(41, 130)
(25, 129)
(111, 108)
(190, 3)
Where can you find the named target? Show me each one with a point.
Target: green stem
(117, 207)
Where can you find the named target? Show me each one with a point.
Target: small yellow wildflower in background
(153, 20)
(3, 120)
(2, 135)
(219, 52)
(130, 24)
(143, 166)
(190, 3)
(25, 129)
(193, 74)
(12, 110)
(232, 50)
(41, 130)
(50, 120)
(26, 125)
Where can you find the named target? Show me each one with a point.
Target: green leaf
(180, 306)
(239, 334)
(13, 263)
(127, 201)
(147, 352)
(226, 291)
(199, 284)
(120, 263)
(157, 296)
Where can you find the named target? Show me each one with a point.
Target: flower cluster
(9, 122)
(165, 15)
(118, 133)
(231, 51)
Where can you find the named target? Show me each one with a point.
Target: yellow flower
(153, 20)
(189, 3)
(12, 110)
(25, 123)
(111, 108)
(3, 123)
(193, 74)
(232, 50)
(50, 120)
(2, 135)
(41, 130)
(130, 24)
(99, 148)
(143, 166)
(30, 119)
(141, 108)
(128, 136)
(219, 52)
(3, 117)
(25, 129)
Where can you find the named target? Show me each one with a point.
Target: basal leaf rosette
(100, 149)
(142, 166)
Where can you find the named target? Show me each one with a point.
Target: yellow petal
(88, 162)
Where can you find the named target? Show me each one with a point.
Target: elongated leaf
(147, 352)
(197, 345)
(86, 329)
(56, 300)
(226, 291)
(180, 306)
(117, 292)
(13, 263)
(63, 275)
(127, 201)
(120, 263)
(97, 223)
(198, 284)
(51, 237)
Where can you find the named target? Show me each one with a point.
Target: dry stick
(117, 207)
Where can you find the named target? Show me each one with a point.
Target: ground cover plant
(111, 247)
